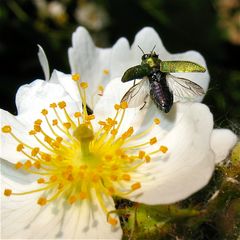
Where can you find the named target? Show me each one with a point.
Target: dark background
(210, 27)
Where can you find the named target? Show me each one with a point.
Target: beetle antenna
(153, 48)
(141, 49)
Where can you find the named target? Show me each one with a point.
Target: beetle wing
(183, 89)
(136, 72)
(180, 66)
(137, 94)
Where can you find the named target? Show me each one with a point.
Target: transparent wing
(137, 95)
(183, 89)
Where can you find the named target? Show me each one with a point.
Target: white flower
(68, 165)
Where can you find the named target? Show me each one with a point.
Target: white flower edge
(121, 57)
(222, 140)
(22, 218)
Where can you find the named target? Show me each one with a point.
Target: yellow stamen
(44, 112)
(83, 85)
(105, 71)
(75, 77)
(136, 186)
(42, 201)
(18, 165)
(62, 104)
(7, 192)
(163, 149)
(6, 129)
(153, 141)
(112, 221)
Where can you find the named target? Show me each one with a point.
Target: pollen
(42, 201)
(126, 177)
(18, 165)
(124, 105)
(27, 164)
(136, 186)
(77, 114)
(75, 77)
(53, 105)
(105, 71)
(82, 195)
(141, 154)
(72, 199)
(117, 106)
(153, 141)
(84, 85)
(62, 104)
(20, 147)
(35, 151)
(112, 221)
(6, 129)
(38, 122)
(7, 192)
(41, 180)
(157, 121)
(163, 149)
(44, 112)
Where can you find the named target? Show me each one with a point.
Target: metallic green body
(180, 66)
(151, 62)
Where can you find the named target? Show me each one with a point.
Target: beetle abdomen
(159, 91)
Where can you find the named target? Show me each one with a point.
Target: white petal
(8, 143)
(22, 218)
(222, 141)
(147, 38)
(32, 98)
(120, 58)
(69, 85)
(189, 162)
(88, 61)
(44, 62)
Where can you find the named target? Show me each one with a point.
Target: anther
(37, 128)
(42, 201)
(100, 90)
(32, 132)
(6, 129)
(136, 186)
(62, 104)
(18, 165)
(77, 114)
(82, 195)
(124, 105)
(112, 221)
(72, 199)
(41, 180)
(38, 122)
(141, 154)
(117, 107)
(163, 149)
(7, 192)
(153, 141)
(83, 85)
(105, 71)
(53, 105)
(75, 77)
(157, 121)
(37, 165)
(35, 151)
(44, 112)
(27, 164)
(90, 117)
(147, 158)
(54, 122)
(126, 177)
(20, 147)
(67, 125)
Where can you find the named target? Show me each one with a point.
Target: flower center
(72, 158)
